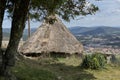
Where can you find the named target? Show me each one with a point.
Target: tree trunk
(18, 25)
(29, 31)
(2, 10)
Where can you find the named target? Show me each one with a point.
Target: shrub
(94, 61)
(101, 59)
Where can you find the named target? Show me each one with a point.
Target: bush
(94, 61)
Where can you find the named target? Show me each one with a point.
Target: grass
(110, 73)
(30, 70)
(62, 69)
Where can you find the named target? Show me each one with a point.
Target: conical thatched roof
(52, 38)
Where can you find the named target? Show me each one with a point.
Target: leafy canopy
(67, 9)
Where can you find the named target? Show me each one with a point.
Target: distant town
(99, 40)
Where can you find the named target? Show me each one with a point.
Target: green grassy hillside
(61, 69)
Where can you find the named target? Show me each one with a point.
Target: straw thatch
(52, 38)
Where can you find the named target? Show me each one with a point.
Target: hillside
(78, 31)
(61, 69)
(101, 36)
(95, 30)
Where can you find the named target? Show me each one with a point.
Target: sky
(108, 15)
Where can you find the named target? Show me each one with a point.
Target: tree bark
(29, 31)
(2, 10)
(18, 25)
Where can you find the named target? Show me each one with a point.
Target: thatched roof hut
(52, 38)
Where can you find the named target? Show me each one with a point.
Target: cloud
(108, 15)
(118, 0)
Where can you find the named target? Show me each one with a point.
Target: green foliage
(94, 61)
(95, 64)
(39, 9)
(67, 9)
(101, 59)
(1, 78)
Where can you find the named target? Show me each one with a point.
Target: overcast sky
(108, 15)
